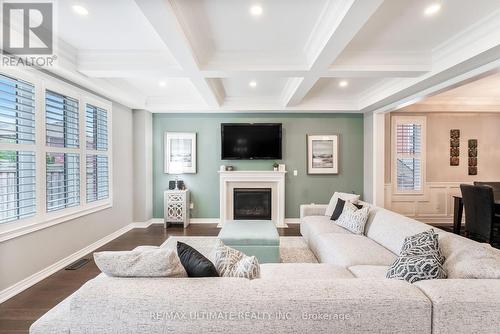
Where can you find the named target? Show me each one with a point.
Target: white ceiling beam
(340, 23)
(153, 64)
(162, 17)
(376, 71)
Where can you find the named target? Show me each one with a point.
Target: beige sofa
(467, 302)
(346, 293)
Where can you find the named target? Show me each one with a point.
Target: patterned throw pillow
(427, 241)
(231, 262)
(353, 219)
(420, 259)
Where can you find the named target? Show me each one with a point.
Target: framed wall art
(322, 154)
(180, 152)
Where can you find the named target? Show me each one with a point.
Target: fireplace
(252, 203)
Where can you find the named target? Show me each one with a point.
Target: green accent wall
(300, 189)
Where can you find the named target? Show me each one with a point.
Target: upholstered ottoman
(253, 237)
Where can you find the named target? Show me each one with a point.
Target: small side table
(176, 207)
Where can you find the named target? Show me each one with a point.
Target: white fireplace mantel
(253, 179)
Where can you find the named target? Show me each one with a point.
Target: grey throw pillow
(420, 259)
(142, 262)
(353, 219)
(231, 262)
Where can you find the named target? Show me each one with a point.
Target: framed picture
(322, 154)
(180, 152)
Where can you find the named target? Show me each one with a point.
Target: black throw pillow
(340, 207)
(194, 262)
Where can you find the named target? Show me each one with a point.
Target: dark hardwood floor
(18, 313)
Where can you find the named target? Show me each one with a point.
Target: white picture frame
(322, 154)
(180, 152)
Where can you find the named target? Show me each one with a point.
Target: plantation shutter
(408, 157)
(17, 167)
(61, 113)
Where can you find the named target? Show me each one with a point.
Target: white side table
(176, 207)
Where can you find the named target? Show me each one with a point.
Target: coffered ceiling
(275, 55)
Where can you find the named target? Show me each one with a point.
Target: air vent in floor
(77, 264)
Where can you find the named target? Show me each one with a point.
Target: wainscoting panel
(435, 205)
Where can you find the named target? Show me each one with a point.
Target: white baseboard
(292, 221)
(204, 221)
(26, 283)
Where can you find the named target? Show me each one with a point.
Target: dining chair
(481, 222)
(494, 185)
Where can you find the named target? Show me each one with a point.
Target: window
(17, 111)
(61, 113)
(17, 164)
(63, 181)
(97, 162)
(96, 128)
(97, 177)
(55, 152)
(17, 185)
(408, 153)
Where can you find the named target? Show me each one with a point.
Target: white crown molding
(469, 45)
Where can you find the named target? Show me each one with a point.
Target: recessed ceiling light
(432, 9)
(253, 83)
(343, 83)
(162, 84)
(80, 10)
(256, 10)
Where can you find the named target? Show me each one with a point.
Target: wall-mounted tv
(250, 141)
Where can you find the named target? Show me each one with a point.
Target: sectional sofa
(346, 292)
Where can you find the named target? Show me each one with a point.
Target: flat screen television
(255, 141)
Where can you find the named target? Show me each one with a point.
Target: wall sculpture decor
(454, 147)
(472, 156)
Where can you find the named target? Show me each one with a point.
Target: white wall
(373, 181)
(23, 256)
(368, 158)
(143, 165)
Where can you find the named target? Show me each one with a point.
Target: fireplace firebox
(252, 203)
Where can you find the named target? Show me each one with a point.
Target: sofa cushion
(469, 259)
(353, 218)
(144, 262)
(339, 208)
(369, 271)
(231, 262)
(419, 259)
(423, 242)
(349, 250)
(140, 305)
(463, 306)
(194, 262)
(287, 271)
(333, 201)
(313, 225)
(55, 321)
(390, 229)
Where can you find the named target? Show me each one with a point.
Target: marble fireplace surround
(229, 180)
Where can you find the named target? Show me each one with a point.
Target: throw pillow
(420, 259)
(423, 242)
(340, 207)
(333, 201)
(194, 262)
(231, 262)
(353, 219)
(143, 262)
